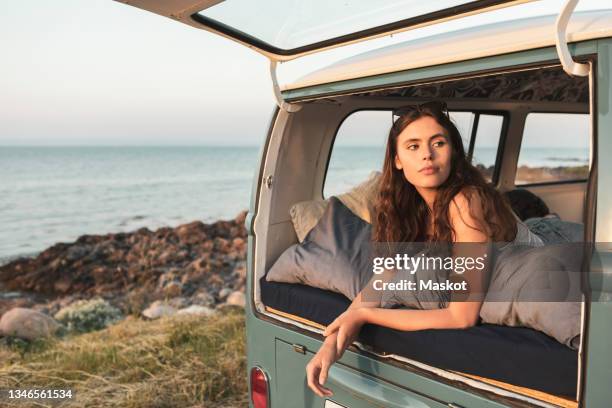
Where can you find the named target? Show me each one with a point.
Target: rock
(205, 256)
(158, 309)
(240, 218)
(178, 302)
(236, 298)
(240, 270)
(27, 324)
(76, 252)
(62, 285)
(173, 289)
(224, 293)
(10, 295)
(197, 310)
(239, 243)
(23, 302)
(203, 298)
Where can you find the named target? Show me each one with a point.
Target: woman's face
(424, 153)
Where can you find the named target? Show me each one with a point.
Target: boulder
(224, 293)
(203, 298)
(236, 298)
(196, 310)
(27, 324)
(173, 288)
(158, 309)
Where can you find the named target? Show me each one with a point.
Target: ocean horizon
(52, 194)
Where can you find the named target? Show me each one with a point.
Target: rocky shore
(194, 268)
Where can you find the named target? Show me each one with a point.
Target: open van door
(283, 29)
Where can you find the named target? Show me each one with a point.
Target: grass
(186, 361)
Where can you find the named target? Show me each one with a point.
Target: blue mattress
(519, 356)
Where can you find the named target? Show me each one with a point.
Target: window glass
(291, 24)
(555, 147)
(486, 143)
(359, 149)
(464, 122)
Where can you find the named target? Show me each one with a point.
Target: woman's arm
(468, 226)
(458, 315)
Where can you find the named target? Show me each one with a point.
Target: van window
(486, 143)
(359, 149)
(464, 122)
(555, 147)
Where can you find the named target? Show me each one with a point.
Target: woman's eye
(412, 147)
(439, 143)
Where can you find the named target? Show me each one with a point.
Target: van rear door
(283, 30)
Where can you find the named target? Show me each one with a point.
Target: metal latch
(298, 348)
(268, 181)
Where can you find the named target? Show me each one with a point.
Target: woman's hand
(318, 367)
(347, 326)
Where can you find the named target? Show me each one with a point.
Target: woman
(429, 192)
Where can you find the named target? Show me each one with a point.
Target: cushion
(360, 200)
(305, 215)
(335, 255)
(537, 287)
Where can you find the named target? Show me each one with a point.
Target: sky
(99, 72)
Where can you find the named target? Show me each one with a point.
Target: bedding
(360, 200)
(553, 230)
(335, 254)
(516, 355)
(538, 288)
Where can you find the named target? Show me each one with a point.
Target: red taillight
(259, 388)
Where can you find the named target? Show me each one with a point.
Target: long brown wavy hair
(401, 214)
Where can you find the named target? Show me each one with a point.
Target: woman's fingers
(316, 377)
(312, 372)
(323, 373)
(322, 379)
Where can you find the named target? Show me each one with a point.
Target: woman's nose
(427, 153)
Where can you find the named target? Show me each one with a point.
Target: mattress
(520, 356)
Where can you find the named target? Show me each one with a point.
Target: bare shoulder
(466, 216)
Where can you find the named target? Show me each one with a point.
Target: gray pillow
(335, 255)
(538, 288)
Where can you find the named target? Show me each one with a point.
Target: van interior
(501, 115)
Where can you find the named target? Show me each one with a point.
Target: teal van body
(296, 152)
(360, 379)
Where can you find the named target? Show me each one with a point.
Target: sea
(56, 194)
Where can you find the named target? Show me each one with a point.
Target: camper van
(515, 89)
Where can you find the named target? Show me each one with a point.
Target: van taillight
(259, 388)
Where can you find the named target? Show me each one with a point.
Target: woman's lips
(428, 170)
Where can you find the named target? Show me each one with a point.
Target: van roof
(481, 41)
